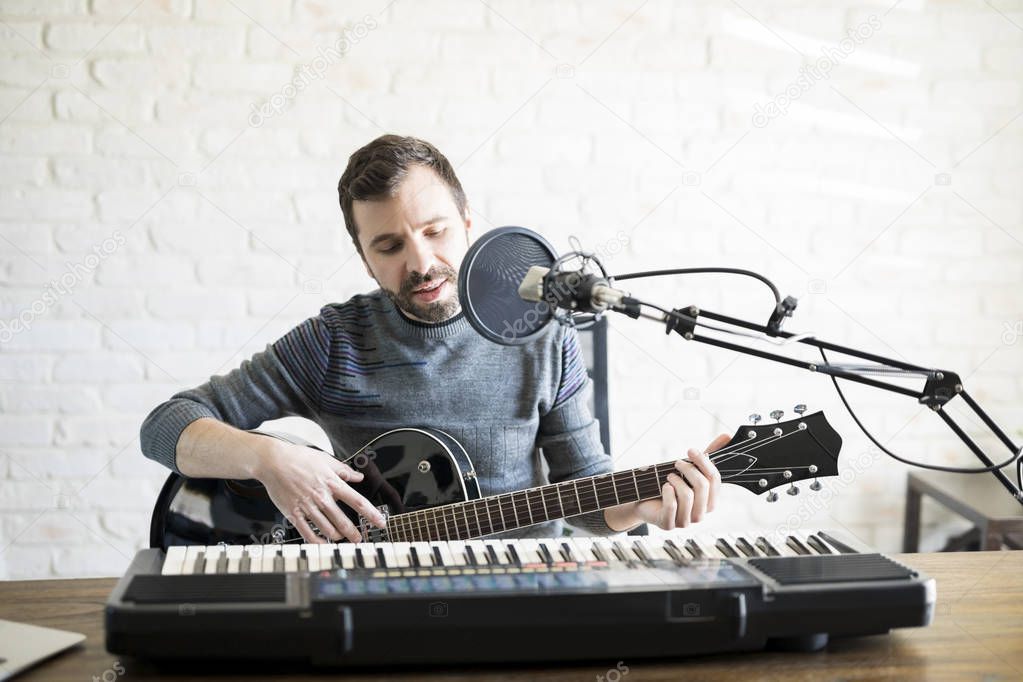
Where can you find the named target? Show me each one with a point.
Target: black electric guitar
(425, 485)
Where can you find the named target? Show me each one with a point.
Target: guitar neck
(508, 511)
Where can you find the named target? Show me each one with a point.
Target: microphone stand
(941, 386)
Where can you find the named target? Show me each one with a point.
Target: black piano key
(492, 555)
(414, 558)
(673, 550)
(335, 558)
(438, 560)
(470, 556)
(382, 558)
(766, 547)
(245, 565)
(566, 551)
(837, 544)
(222, 563)
(693, 549)
(278, 564)
(200, 563)
(601, 555)
(745, 547)
(620, 551)
(815, 542)
(726, 548)
(546, 553)
(514, 554)
(641, 553)
(797, 546)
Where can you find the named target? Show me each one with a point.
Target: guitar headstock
(762, 457)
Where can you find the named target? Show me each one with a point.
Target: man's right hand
(306, 484)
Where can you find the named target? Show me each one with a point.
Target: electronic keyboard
(571, 598)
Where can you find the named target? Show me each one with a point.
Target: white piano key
(553, 547)
(347, 552)
(500, 550)
(191, 554)
(312, 556)
(254, 553)
(583, 547)
(400, 552)
(270, 553)
(573, 553)
(529, 551)
(424, 552)
(453, 552)
(369, 553)
(173, 562)
(291, 553)
(390, 558)
(479, 550)
(654, 550)
(212, 556)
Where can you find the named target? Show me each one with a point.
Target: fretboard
(508, 511)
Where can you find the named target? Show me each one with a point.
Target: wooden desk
(980, 499)
(977, 634)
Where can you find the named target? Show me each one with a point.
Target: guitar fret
(486, 505)
(435, 524)
(465, 513)
(544, 503)
(419, 522)
(575, 486)
(614, 487)
(636, 484)
(504, 524)
(596, 495)
(476, 513)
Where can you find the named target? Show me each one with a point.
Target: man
(404, 355)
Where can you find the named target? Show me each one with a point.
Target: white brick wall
(584, 118)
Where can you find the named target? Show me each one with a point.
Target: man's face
(413, 244)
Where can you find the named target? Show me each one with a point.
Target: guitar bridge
(371, 533)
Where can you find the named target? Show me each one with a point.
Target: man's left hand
(688, 494)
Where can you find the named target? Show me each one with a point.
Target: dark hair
(375, 171)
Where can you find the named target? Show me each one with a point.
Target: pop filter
(488, 285)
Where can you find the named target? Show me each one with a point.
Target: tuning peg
(816, 485)
(776, 415)
(799, 409)
(772, 496)
(755, 418)
(793, 490)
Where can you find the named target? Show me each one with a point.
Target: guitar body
(403, 470)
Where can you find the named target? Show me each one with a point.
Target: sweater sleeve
(281, 381)
(569, 435)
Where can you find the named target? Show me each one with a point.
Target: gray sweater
(361, 368)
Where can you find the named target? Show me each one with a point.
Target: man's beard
(434, 311)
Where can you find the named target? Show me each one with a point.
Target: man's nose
(420, 257)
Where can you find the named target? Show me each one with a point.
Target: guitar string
(605, 481)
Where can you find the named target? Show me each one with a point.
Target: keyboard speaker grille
(206, 589)
(840, 568)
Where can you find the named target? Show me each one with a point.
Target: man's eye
(390, 249)
(435, 233)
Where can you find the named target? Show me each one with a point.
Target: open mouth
(430, 291)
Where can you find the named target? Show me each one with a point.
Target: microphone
(572, 290)
(509, 294)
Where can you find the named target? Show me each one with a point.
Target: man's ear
(468, 218)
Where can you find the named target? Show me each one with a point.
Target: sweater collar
(427, 330)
